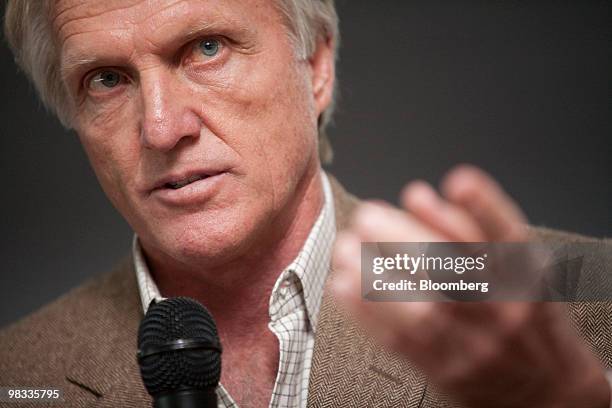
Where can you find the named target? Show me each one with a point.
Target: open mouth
(175, 185)
(188, 188)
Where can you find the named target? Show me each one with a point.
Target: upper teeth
(183, 183)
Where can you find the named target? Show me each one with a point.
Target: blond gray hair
(29, 32)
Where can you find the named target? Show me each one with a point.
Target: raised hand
(504, 354)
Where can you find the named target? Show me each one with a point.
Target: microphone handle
(189, 398)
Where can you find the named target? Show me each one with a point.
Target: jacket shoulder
(35, 349)
(552, 235)
(593, 318)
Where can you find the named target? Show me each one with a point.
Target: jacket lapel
(348, 367)
(104, 360)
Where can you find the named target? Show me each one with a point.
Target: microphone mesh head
(174, 319)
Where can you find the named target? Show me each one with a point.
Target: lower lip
(196, 193)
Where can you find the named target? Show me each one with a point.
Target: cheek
(267, 115)
(113, 158)
(289, 140)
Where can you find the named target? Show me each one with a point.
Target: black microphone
(179, 354)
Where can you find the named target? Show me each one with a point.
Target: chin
(209, 239)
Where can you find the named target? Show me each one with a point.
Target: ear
(323, 73)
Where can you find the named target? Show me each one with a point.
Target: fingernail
(421, 194)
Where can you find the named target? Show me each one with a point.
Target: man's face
(196, 116)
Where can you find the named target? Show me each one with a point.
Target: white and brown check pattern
(294, 307)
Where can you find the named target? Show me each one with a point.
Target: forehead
(72, 17)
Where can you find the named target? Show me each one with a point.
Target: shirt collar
(310, 266)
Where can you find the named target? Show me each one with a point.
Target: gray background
(521, 88)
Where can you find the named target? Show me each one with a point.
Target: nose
(167, 118)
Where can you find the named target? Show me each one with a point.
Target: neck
(237, 293)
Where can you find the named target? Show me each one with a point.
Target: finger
(497, 214)
(377, 223)
(455, 222)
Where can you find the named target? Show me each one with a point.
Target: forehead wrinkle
(161, 10)
(158, 28)
(89, 11)
(97, 30)
(59, 15)
(151, 25)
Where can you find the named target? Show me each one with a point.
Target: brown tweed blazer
(85, 344)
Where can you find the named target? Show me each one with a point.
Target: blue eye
(109, 79)
(209, 47)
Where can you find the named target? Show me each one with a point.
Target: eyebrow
(73, 63)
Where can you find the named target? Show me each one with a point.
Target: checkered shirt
(294, 307)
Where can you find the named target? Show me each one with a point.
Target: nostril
(166, 135)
